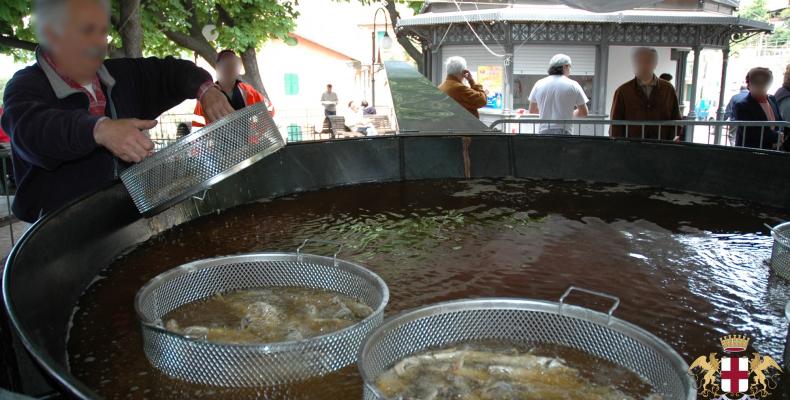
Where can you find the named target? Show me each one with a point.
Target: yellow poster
(491, 77)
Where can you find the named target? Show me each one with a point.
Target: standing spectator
(329, 101)
(238, 93)
(75, 119)
(646, 98)
(728, 109)
(756, 105)
(368, 109)
(556, 96)
(470, 97)
(783, 95)
(182, 129)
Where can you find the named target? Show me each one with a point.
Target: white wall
(621, 71)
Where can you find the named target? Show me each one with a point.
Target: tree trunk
(252, 74)
(131, 29)
(404, 41)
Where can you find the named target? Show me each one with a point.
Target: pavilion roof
(572, 15)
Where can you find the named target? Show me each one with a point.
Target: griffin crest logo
(735, 376)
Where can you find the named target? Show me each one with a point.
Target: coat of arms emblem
(735, 375)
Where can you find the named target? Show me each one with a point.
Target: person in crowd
(329, 101)
(355, 119)
(646, 98)
(471, 97)
(75, 119)
(782, 95)
(368, 109)
(665, 76)
(238, 93)
(728, 109)
(756, 105)
(182, 129)
(556, 96)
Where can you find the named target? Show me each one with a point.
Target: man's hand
(215, 104)
(124, 138)
(468, 77)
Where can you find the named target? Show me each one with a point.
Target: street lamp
(386, 43)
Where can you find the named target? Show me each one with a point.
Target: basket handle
(615, 299)
(334, 256)
(777, 233)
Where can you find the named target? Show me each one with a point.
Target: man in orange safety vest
(239, 94)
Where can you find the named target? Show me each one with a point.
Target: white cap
(559, 60)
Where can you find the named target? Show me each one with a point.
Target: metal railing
(766, 135)
(295, 124)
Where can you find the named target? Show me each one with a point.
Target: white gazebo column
(725, 59)
(680, 56)
(436, 65)
(600, 79)
(694, 82)
(507, 82)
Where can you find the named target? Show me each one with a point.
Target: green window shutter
(291, 84)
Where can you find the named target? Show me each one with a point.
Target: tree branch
(9, 41)
(404, 41)
(200, 46)
(194, 41)
(224, 16)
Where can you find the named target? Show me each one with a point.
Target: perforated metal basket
(239, 365)
(780, 254)
(527, 322)
(201, 159)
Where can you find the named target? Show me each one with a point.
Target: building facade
(508, 44)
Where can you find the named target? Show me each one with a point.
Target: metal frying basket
(201, 159)
(528, 322)
(780, 254)
(254, 365)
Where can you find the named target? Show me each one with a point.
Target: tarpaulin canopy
(606, 5)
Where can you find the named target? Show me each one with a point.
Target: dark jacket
(747, 108)
(55, 157)
(631, 104)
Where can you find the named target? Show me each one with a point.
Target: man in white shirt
(556, 96)
(329, 101)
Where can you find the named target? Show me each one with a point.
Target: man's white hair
(638, 51)
(455, 65)
(51, 13)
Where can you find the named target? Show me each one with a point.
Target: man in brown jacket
(469, 97)
(646, 98)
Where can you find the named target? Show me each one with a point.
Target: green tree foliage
(241, 25)
(16, 35)
(758, 10)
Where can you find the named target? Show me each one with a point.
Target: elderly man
(757, 105)
(470, 97)
(239, 94)
(75, 119)
(556, 96)
(646, 98)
